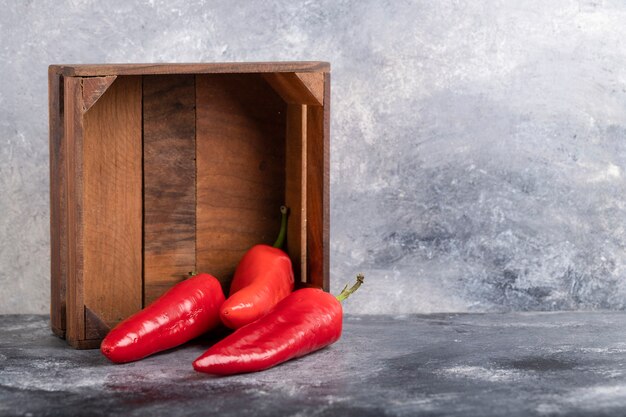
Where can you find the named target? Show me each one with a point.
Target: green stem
(280, 240)
(345, 293)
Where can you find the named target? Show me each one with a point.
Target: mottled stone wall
(478, 147)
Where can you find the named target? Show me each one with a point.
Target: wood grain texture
(326, 186)
(112, 203)
(169, 181)
(314, 82)
(240, 145)
(95, 328)
(93, 88)
(318, 191)
(58, 226)
(254, 152)
(191, 68)
(295, 186)
(73, 152)
(292, 89)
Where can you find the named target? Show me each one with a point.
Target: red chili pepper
(307, 320)
(185, 311)
(263, 277)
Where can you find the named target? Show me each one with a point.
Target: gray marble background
(478, 147)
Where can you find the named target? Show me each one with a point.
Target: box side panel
(193, 68)
(318, 191)
(112, 207)
(73, 165)
(169, 175)
(326, 193)
(58, 231)
(295, 184)
(240, 142)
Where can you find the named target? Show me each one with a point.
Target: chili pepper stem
(280, 240)
(345, 293)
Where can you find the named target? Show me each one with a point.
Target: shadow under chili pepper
(195, 346)
(201, 342)
(212, 337)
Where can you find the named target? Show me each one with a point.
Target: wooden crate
(159, 170)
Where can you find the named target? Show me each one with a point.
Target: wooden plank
(240, 145)
(67, 192)
(295, 197)
(89, 70)
(293, 89)
(95, 328)
(112, 203)
(314, 82)
(73, 152)
(169, 181)
(58, 227)
(318, 191)
(93, 88)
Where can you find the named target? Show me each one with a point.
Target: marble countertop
(571, 363)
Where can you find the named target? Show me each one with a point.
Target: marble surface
(516, 364)
(477, 159)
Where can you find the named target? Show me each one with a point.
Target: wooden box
(159, 170)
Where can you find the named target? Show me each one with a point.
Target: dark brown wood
(186, 174)
(86, 344)
(73, 151)
(93, 88)
(103, 211)
(95, 328)
(326, 186)
(240, 145)
(58, 227)
(318, 191)
(112, 203)
(191, 68)
(169, 173)
(295, 189)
